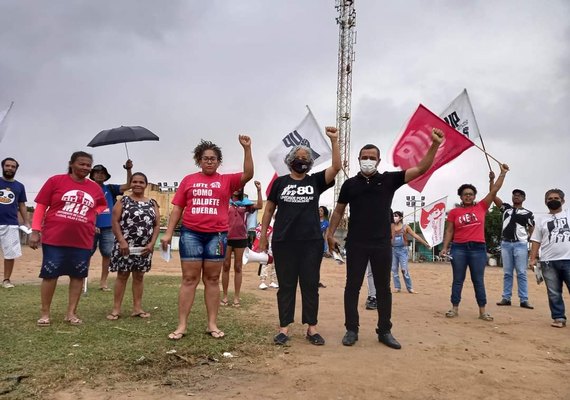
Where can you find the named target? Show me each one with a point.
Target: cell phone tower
(346, 21)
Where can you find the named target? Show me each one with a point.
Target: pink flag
(416, 140)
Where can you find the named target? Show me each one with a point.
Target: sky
(189, 70)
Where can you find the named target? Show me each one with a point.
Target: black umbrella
(122, 134)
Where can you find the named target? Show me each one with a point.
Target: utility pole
(412, 201)
(346, 21)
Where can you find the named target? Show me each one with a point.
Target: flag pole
(487, 155)
(477, 126)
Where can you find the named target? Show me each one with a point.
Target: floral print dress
(137, 224)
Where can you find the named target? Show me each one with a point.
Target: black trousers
(298, 261)
(357, 257)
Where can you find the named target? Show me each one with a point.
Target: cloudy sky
(189, 69)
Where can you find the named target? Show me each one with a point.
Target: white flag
(459, 115)
(432, 221)
(4, 121)
(307, 134)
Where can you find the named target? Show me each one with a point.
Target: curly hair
(291, 156)
(466, 186)
(202, 147)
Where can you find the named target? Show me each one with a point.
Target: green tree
(493, 228)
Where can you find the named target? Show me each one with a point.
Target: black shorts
(237, 243)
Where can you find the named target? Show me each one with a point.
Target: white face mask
(368, 167)
(396, 220)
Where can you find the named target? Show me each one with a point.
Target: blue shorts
(202, 246)
(106, 240)
(59, 260)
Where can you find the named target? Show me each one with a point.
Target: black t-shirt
(297, 204)
(370, 200)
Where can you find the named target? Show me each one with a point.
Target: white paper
(136, 251)
(165, 254)
(25, 229)
(538, 273)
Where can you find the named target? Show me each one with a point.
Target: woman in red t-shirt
(66, 208)
(465, 231)
(202, 201)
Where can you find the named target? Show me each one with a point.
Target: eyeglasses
(209, 159)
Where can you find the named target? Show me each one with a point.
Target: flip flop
(216, 334)
(142, 314)
(223, 303)
(176, 335)
(451, 314)
(113, 317)
(75, 321)
(236, 304)
(486, 317)
(105, 289)
(43, 322)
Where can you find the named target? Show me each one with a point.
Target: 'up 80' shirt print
(298, 193)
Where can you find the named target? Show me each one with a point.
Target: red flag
(268, 190)
(416, 140)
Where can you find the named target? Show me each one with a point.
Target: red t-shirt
(70, 217)
(469, 223)
(205, 200)
(237, 218)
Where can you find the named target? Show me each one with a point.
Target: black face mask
(553, 204)
(300, 166)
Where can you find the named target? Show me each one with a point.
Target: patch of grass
(129, 348)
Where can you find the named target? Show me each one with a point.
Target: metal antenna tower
(346, 21)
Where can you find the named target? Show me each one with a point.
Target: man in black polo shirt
(370, 195)
(518, 224)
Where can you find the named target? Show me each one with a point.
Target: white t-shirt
(552, 231)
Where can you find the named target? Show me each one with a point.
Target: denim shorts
(202, 246)
(105, 239)
(60, 260)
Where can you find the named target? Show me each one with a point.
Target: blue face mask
(300, 166)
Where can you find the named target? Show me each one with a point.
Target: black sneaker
(316, 339)
(389, 340)
(371, 303)
(526, 304)
(322, 286)
(504, 302)
(350, 337)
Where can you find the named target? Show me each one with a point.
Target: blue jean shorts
(105, 239)
(202, 246)
(59, 260)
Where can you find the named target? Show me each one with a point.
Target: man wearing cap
(12, 201)
(104, 234)
(518, 224)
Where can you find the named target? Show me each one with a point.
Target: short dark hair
(10, 159)
(466, 186)
(139, 174)
(557, 191)
(202, 147)
(75, 156)
(369, 147)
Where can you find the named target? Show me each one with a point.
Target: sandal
(280, 339)
(557, 323)
(451, 314)
(176, 335)
(315, 339)
(223, 303)
(486, 317)
(142, 314)
(43, 322)
(216, 334)
(236, 304)
(74, 321)
(113, 317)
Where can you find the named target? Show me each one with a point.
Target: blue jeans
(515, 257)
(202, 246)
(400, 260)
(474, 256)
(556, 273)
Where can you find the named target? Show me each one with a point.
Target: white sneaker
(7, 284)
(263, 286)
(274, 285)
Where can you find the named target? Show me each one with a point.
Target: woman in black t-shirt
(297, 241)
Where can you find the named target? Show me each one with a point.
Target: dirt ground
(518, 356)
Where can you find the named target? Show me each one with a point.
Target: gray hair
(291, 156)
